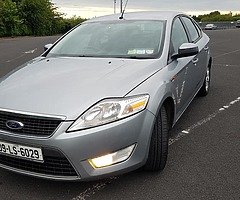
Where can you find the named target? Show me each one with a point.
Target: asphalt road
(204, 155)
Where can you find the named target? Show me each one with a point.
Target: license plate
(30, 153)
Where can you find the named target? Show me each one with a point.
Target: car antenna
(121, 17)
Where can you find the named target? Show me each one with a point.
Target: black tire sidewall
(158, 149)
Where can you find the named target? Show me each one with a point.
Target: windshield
(125, 39)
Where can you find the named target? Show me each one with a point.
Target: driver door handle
(195, 61)
(206, 48)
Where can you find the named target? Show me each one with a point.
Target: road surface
(204, 155)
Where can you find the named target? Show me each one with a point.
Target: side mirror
(47, 46)
(186, 50)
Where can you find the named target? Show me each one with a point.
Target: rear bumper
(78, 147)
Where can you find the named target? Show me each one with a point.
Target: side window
(198, 28)
(191, 28)
(178, 36)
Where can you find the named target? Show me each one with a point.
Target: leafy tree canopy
(33, 17)
(216, 16)
(40, 17)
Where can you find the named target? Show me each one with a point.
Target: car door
(182, 68)
(200, 61)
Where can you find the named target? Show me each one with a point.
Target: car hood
(69, 86)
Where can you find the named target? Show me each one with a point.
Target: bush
(216, 16)
(9, 19)
(33, 17)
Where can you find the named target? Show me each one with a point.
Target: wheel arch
(169, 104)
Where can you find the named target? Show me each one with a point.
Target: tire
(158, 150)
(206, 84)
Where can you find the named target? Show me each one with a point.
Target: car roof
(144, 15)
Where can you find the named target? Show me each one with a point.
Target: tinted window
(125, 39)
(178, 37)
(191, 28)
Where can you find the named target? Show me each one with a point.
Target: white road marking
(189, 130)
(95, 188)
(225, 54)
(185, 132)
(30, 51)
(23, 54)
(225, 65)
(8, 61)
(220, 42)
(101, 185)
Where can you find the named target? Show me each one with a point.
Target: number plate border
(23, 158)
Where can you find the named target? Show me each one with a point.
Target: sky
(95, 8)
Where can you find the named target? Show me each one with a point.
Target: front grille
(33, 125)
(55, 164)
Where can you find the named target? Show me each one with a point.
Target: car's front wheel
(158, 149)
(206, 84)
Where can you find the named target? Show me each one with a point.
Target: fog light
(113, 158)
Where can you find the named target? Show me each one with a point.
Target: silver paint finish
(67, 87)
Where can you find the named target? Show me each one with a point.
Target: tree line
(40, 17)
(216, 16)
(33, 17)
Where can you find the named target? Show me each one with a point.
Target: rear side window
(178, 37)
(191, 28)
(198, 28)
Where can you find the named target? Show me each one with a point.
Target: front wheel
(206, 84)
(158, 149)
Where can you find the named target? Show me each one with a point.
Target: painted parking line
(95, 188)
(189, 130)
(8, 61)
(225, 65)
(216, 42)
(22, 55)
(30, 51)
(101, 185)
(228, 53)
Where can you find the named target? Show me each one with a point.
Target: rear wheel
(206, 84)
(158, 149)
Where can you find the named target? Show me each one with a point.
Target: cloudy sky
(92, 8)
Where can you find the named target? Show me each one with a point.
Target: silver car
(102, 99)
(210, 27)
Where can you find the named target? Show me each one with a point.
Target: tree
(1, 22)
(216, 16)
(67, 24)
(9, 19)
(39, 16)
(33, 17)
(215, 13)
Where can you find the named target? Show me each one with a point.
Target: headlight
(110, 110)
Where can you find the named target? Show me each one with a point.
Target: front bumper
(80, 146)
